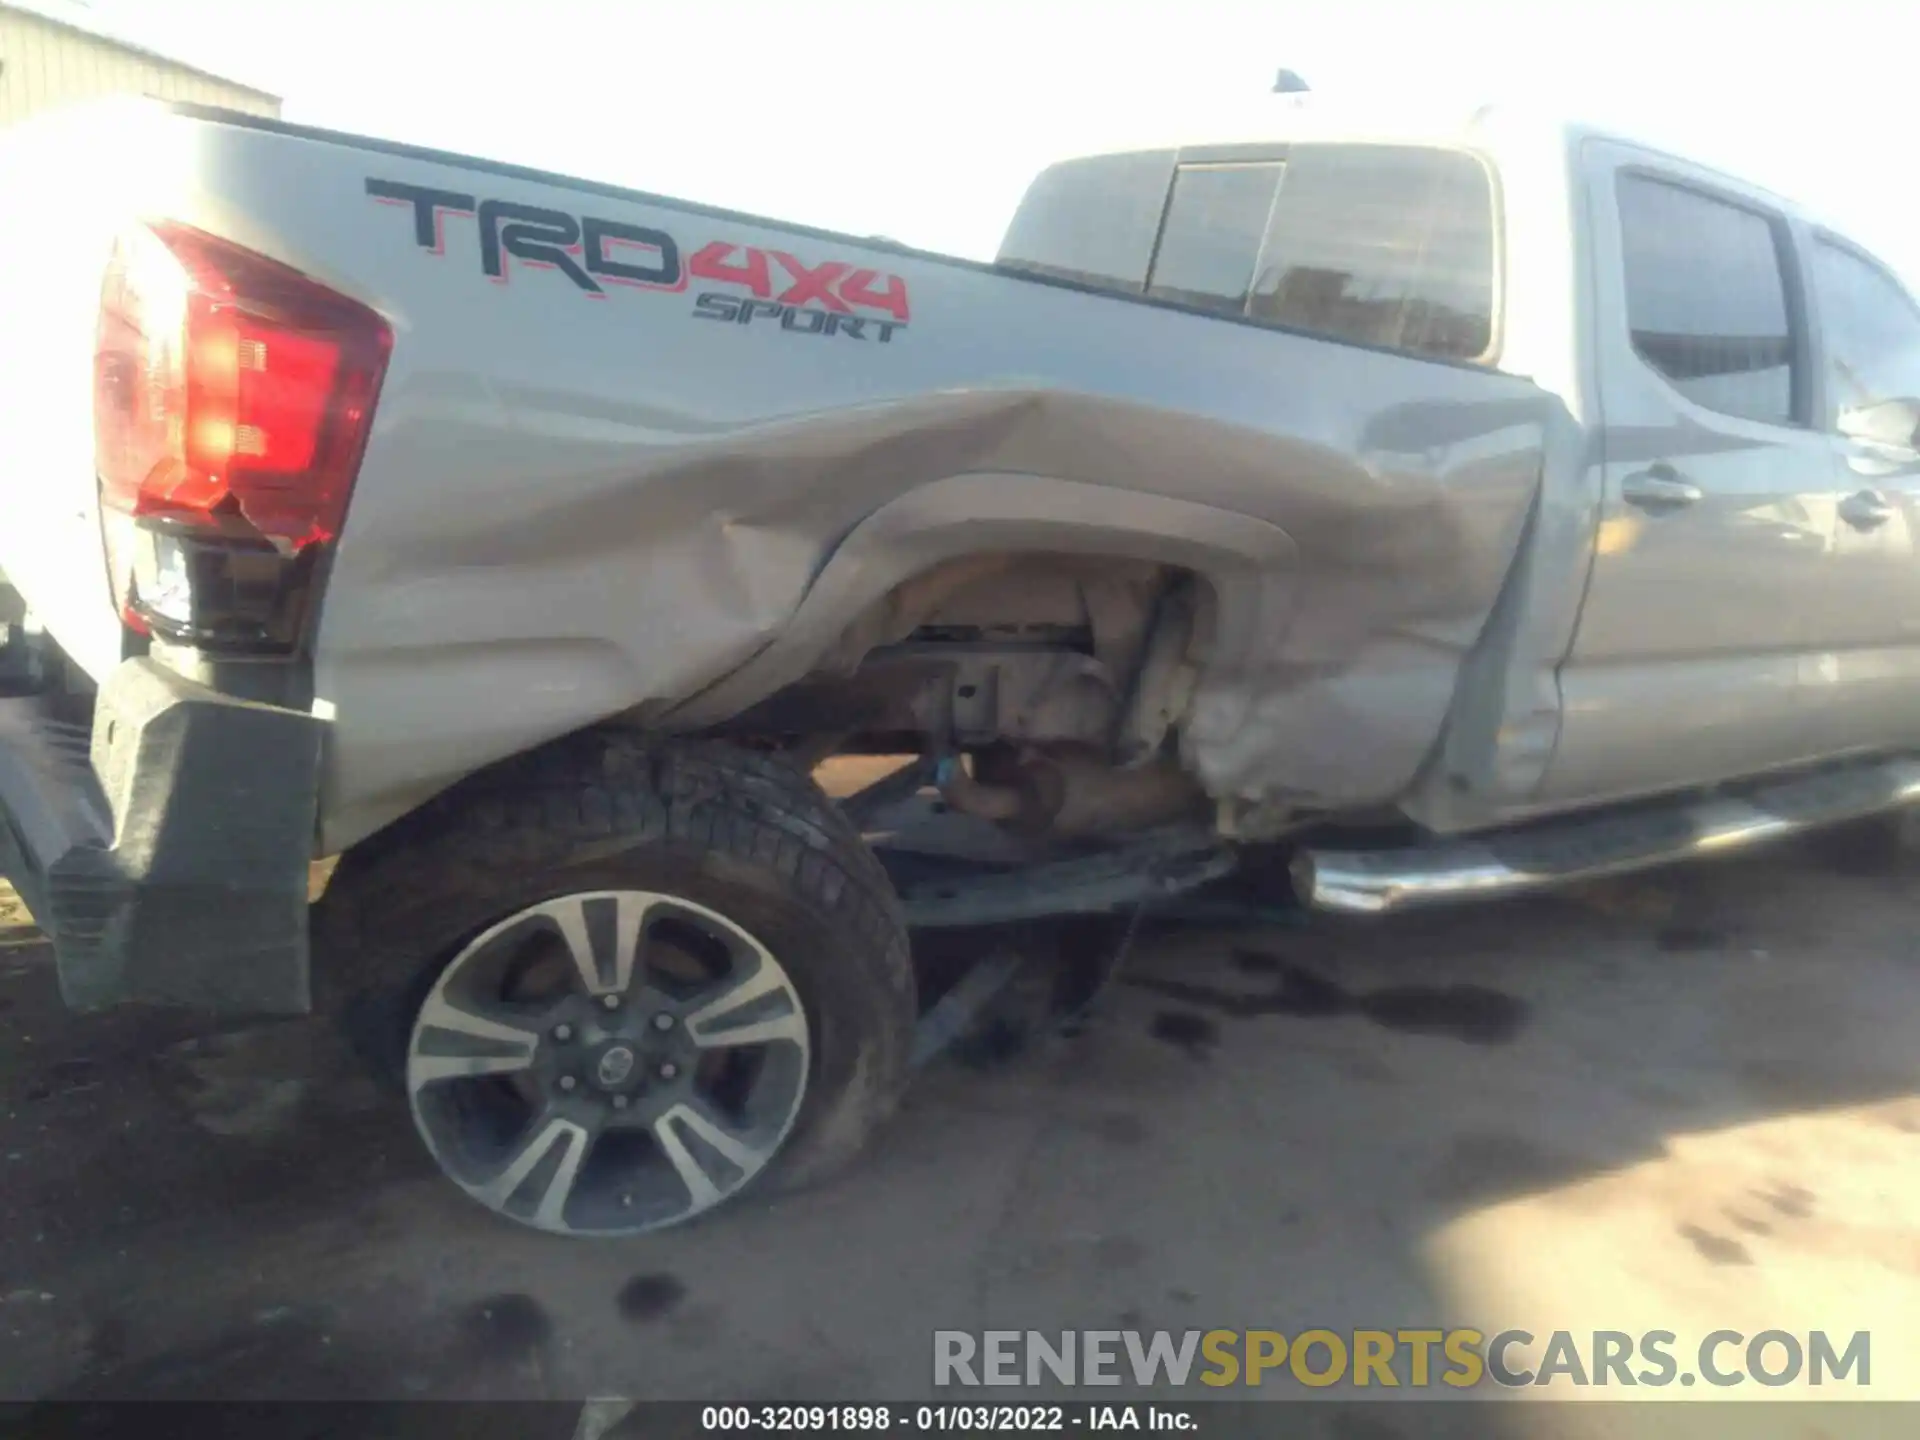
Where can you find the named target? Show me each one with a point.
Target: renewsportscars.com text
(1393, 1358)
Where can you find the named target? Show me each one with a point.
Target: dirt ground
(1685, 1102)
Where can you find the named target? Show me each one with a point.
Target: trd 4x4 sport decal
(767, 288)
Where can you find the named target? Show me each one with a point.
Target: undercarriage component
(1581, 847)
(1070, 793)
(1163, 681)
(962, 1005)
(970, 692)
(1153, 867)
(1043, 650)
(861, 806)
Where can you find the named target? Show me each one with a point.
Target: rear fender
(1248, 562)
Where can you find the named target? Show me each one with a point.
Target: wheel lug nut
(668, 1070)
(612, 1002)
(563, 1032)
(567, 1082)
(620, 1102)
(663, 1021)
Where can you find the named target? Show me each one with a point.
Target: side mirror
(1893, 422)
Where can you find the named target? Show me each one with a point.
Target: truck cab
(1721, 578)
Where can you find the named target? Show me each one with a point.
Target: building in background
(54, 52)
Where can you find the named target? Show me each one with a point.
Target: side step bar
(1554, 852)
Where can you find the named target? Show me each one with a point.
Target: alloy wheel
(608, 1062)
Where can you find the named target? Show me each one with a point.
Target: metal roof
(81, 19)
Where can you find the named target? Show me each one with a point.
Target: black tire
(745, 834)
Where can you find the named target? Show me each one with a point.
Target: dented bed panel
(637, 457)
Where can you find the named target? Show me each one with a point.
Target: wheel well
(1029, 647)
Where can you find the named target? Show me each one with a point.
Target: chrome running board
(1554, 852)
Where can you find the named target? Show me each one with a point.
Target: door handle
(1659, 487)
(1866, 510)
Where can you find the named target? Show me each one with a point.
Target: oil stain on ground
(648, 1297)
(1471, 1013)
(502, 1330)
(1192, 1033)
(1793, 1201)
(1718, 1249)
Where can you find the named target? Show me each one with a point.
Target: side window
(1210, 239)
(1872, 334)
(1707, 299)
(1387, 245)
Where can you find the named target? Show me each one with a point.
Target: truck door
(1865, 687)
(1703, 599)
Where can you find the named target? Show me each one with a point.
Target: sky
(923, 119)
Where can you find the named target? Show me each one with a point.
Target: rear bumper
(166, 854)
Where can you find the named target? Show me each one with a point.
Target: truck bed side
(636, 456)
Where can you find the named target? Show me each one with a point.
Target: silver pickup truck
(1400, 512)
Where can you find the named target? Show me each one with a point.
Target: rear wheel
(650, 975)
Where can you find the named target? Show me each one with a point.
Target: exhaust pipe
(1557, 852)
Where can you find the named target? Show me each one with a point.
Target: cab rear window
(1386, 245)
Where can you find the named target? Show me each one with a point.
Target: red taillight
(231, 394)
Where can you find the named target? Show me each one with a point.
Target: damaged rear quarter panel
(575, 504)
